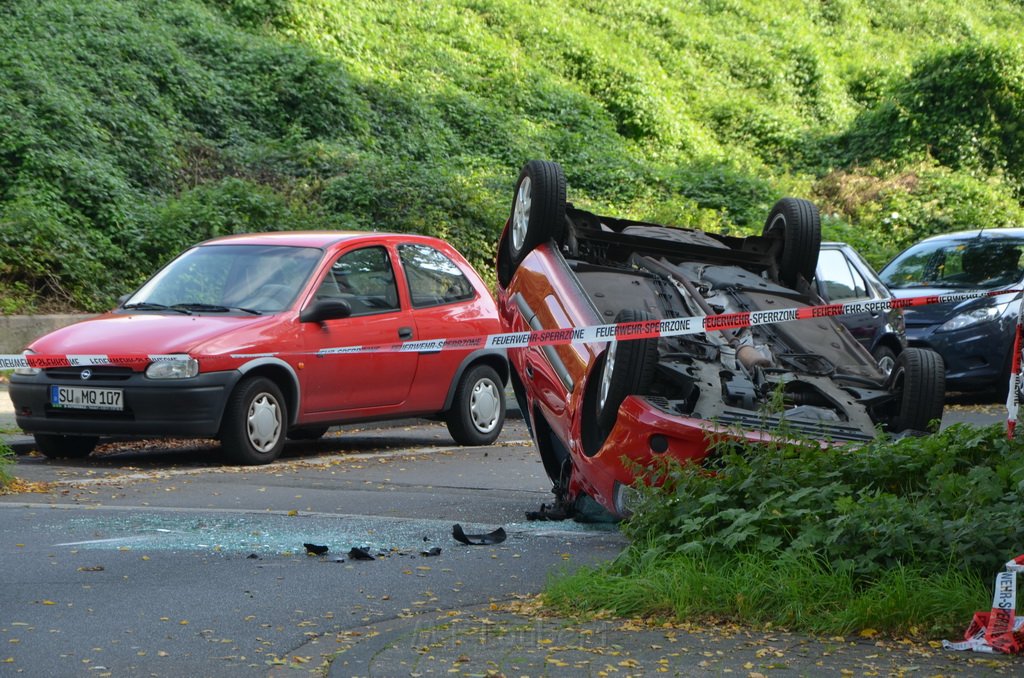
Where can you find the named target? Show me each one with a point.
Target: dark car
(249, 339)
(843, 276)
(974, 337)
(669, 343)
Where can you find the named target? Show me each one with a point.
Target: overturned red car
(598, 411)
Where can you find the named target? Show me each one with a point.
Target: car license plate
(85, 398)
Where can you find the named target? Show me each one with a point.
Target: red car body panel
(628, 445)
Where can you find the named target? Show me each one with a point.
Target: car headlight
(27, 371)
(626, 499)
(186, 368)
(979, 315)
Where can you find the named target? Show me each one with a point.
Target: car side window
(365, 279)
(838, 278)
(434, 279)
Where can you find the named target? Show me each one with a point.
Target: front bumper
(173, 408)
(976, 357)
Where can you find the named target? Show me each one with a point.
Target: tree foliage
(131, 129)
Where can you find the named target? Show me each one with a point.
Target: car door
(840, 282)
(445, 305)
(365, 278)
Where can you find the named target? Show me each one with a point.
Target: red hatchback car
(239, 331)
(600, 410)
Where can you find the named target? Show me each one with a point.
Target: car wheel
(478, 409)
(885, 357)
(798, 224)
(65, 447)
(308, 433)
(538, 209)
(254, 422)
(628, 368)
(918, 380)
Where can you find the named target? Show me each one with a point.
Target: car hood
(148, 333)
(936, 314)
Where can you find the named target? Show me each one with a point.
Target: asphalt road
(156, 559)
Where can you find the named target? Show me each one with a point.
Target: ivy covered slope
(130, 129)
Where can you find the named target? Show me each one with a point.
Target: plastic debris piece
(315, 549)
(435, 551)
(495, 537)
(548, 513)
(359, 553)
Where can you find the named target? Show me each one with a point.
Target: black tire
(798, 224)
(478, 408)
(918, 380)
(308, 433)
(255, 419)
(55, 446)
(538, 209)
(628, 368)
(885, 357)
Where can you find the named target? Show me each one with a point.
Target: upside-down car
(598, 411)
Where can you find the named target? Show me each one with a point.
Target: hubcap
(606, 376)
(264, 422)
(521, 214)
(485, 405)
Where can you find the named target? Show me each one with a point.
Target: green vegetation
(6, 461)
(130, 129)
(901, 536)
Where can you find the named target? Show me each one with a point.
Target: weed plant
(900, 535)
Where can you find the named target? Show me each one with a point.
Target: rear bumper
(174, 408)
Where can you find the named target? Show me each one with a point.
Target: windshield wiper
(150, 306)
(216, 308)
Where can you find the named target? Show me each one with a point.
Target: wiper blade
(216, 308)
(150, 306)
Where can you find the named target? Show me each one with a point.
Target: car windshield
(981, 263)
(228, 278)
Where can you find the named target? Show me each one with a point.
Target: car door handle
(405, 333)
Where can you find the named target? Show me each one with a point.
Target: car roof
(310, 238)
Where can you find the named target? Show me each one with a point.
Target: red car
(600, 410)
(237, 328)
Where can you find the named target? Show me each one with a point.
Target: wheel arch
(282, 374)
(494, 358)
(891, 342)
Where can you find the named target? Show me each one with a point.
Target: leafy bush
(952, 498)
(963, 105)
(883, 208)
(118, 118)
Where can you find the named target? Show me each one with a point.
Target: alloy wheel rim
(484, 405)
(264, 422)
(521, 214)
(606, 377)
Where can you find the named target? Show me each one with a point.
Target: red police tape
(1001, 629)
(668, 327)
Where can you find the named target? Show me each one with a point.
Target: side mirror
(326, 309)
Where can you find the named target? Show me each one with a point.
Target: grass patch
(793, 592)
(6, 462)
(900, 536)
